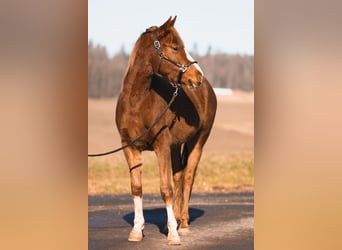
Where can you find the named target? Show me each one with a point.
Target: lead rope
(174, 95)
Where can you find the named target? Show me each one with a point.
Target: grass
(225, 172)
(217, 172)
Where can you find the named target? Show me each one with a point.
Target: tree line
(105, 73)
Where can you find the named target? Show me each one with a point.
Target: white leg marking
(136, 233)
(189, 57)
(173, 236)
(171, 220)
(138, 213)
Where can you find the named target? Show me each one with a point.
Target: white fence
(223, 91)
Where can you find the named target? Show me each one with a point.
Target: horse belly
(182, 132)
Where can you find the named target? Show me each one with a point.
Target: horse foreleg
(164, 159)
(134, 160)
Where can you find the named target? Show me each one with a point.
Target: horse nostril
(195, 84)
(191, 84)
(200, 81)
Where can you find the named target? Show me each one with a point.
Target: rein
(182, 69)
(174, 95)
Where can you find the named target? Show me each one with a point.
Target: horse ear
(172, 23)
(166, 25)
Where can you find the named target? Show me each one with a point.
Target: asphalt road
(217, 221)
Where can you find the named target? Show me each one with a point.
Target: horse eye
(176, 48)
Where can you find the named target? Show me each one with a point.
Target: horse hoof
(173, 240)
(184, 231)
(135, 236)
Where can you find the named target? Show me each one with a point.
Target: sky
(226, 26)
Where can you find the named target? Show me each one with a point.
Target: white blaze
(138, 213)
(189, 57)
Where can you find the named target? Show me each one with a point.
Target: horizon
(123, 49)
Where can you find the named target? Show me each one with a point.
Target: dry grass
(227, 163)
(225, 172)
(216, 172)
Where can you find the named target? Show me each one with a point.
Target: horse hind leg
(134, 160)
(195, 152)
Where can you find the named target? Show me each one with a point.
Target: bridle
(182, 68)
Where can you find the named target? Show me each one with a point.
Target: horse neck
(138, 75)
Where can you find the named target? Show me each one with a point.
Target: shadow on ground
(158, 217)
(218, 221)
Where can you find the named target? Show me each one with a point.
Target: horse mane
(150, 29)
(137, 45)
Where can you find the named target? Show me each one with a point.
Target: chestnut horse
(160, 69)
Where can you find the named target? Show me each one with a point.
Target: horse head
(169, 57)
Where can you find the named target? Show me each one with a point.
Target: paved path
(217, 221)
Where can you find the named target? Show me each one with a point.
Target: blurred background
(220, 37)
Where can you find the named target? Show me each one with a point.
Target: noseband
(182, 68)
